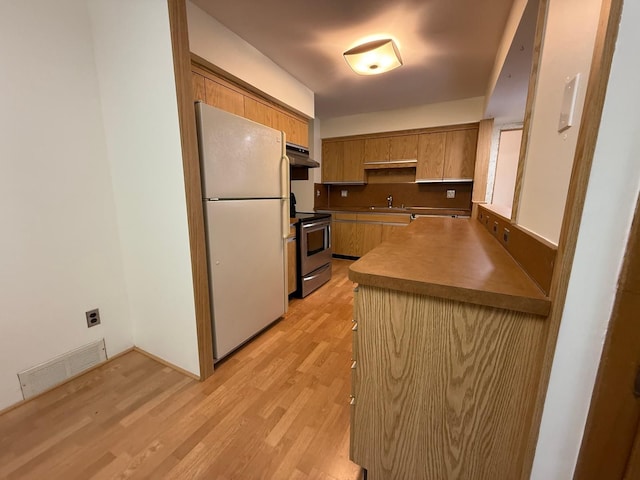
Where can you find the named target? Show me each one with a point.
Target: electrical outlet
(317, 193)
(505, 235)
(93, 317)
(451, 194)
(344, 193)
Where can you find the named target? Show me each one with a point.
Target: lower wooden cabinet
(441, 389)
(354, 235)
(368, 236)
(292, 262)
(344, 235)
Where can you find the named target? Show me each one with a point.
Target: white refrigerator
(245, 186)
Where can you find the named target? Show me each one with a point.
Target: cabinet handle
(352, 400)
(355, 327)
(353, 365)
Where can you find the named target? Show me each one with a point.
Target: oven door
(315, 245)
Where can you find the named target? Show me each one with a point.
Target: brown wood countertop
(453, 258)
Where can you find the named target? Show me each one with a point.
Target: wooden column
(192, 185)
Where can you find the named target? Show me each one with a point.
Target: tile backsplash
(432, 195)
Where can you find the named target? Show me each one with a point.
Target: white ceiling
(448, 46)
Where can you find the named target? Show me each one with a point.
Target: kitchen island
(448, 339)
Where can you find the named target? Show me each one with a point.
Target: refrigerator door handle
(285, 197)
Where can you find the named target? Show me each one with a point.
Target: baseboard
(70, 379)
(166, 364)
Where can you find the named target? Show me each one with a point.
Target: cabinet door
(353, 161)
(292, 265)
(224, 98)
(460, 155)
(261, 113)
(376, 149)
(388, 231)
(297, 131)
(197, 82)
(369, 236)
(430, 165)
(345, 239)
(404, 147)
(332, 155)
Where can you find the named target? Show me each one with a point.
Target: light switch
(451, 194)
(568, 103)
(344, 193)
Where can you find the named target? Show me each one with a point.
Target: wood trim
(44, 392)
(483, 155)
(415, 131)
(528, 111)
(606, 36)
(215, 73)
(166, 364)
(385, 165)
(614, 414)
(193, 191)
(534, 254)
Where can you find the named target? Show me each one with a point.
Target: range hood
(299, 156)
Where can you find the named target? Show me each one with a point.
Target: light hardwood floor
(276, 409)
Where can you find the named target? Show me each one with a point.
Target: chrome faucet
(390, 201)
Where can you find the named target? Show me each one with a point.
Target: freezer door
(239, 158)
(247, 269)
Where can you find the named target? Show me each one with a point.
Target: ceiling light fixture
(373, 58)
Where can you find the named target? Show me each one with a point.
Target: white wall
(59, 247)
(212, 41)
(423, 116)
(515, 15)
(506, 169)
(567, 50)
(611, 200)
(137, 86)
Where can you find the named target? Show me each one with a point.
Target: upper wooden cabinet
(460, 155)
(391, 149)
(297, 131)
(224, 95)
(376, 149)
(430, 166)
(342, 161)
(403, 147)
(447, 156)
(438, 154)
(259, 112)
(224, 98)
